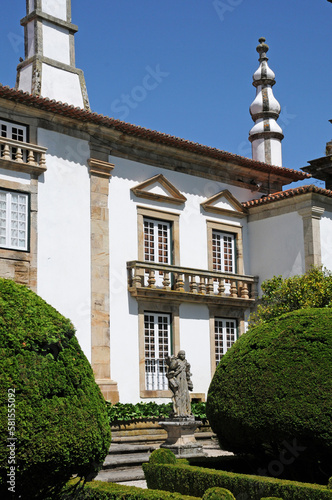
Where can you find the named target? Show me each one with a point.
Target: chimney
(48, 69)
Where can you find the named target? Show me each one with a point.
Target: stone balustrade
(188, 284)
(22, 156)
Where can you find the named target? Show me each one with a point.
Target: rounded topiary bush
(162, 456)
(271, 498)
(57, 412)
(272, 391)
(218, 494)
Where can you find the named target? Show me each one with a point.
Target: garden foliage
(313, 289)
(195, 481)
(272, 393)
(121, 413)
(218, 494)
(61, 424)
(98, 490)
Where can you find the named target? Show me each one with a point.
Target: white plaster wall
(31, 5)
(195, 340)
(56, 43)
(25, 81)
(326, 239)
(56, 8)
(61, 85)
(276, 246)
(31, 39)
(193, 253)
(64, 231)
(276, 155)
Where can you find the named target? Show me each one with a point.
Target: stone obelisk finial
(266, 135)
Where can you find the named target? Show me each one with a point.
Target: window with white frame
(157, 244)
(15, 132)
(14, 217)
(157, 346)
(223, 251)
(225, 334)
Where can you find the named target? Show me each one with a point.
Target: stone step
(131, 448)
(152, 438)
(112, 461)
(120, 475)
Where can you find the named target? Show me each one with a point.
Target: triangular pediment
(158, 188)
(224, 203)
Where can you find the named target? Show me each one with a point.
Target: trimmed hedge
(218, 494)
(190, 480)
(61, 425)
(272, 393)
(99, 490)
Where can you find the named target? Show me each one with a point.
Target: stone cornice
(39, 15)
(100, 168)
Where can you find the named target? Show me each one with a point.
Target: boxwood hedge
(272, 393)
(57, 413)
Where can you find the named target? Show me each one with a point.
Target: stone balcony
(150, 280)
(22, 156)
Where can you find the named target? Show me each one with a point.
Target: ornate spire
(49, 67)
(266, 135)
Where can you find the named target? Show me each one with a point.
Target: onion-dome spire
(266, 135)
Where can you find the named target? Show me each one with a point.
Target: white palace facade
(147, 242)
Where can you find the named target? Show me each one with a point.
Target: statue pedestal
(180, 437)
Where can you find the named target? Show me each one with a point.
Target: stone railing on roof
(22, 156)
(165, 282)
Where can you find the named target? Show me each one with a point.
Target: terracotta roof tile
(289, 193)
(151, 135)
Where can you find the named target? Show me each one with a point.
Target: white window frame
(157, 329)
(225, 334)
(158, 249)
(14, 131)
(14, 220)
(220, 261)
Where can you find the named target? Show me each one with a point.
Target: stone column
(311, 236)
(100, 173)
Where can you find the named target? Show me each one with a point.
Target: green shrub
(218, 494)
(283, 295)
(61, 425)
(98, 490)
(271, 498)
(120, 413)
(162, 456)
(272, 392)
(189, 480)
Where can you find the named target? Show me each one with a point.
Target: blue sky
(185, 67)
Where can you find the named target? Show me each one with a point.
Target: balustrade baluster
(19, 156)
(137, 279)
(202, 287)
(6, 152)
(233, 289)
(166, 281)
(179, 284)
(244, 291)
(209, 287)
(152, 279)
(193, 284)
(31, 158)
(221, 287)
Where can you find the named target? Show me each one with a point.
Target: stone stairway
(131, 447)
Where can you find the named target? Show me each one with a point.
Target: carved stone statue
(178, 374)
